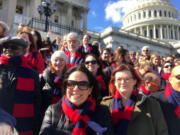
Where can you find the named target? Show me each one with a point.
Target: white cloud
(94, 13)
(115, 10)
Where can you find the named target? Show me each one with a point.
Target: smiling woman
(79, 111)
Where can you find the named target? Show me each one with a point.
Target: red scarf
(145, 91)
(172, 97)
(75, 60)
(81, 117)
(165, 76)
(23, 109)
(122, 115)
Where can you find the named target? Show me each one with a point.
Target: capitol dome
(154, 19)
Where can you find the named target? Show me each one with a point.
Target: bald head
(175, 78)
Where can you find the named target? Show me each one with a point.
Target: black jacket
(173, 122)
(56, 122)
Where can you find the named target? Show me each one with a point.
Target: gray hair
(73, 34)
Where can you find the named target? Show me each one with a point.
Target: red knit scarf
(23, 109)
(165, 76)
(145, 91)
(58, 81)
(173, 98)
(89, 48)
(75, 60)
(122, 115)
(81, 117)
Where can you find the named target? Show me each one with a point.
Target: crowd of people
(73, 87)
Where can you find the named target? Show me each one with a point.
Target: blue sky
(97, 17)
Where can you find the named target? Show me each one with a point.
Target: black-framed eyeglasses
(82, 85)
(92, 62)
(168, 66)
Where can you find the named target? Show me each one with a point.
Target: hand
(5, 129)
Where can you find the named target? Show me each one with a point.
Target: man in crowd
(169, 100)
(74, 54)
(146, 52)
(19, 86)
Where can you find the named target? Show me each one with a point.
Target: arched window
(144, 14)
(149, 13)
(139, 15)
(160, 13)
(155, 13)
(165, 14)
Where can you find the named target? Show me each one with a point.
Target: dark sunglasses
(167, 66)
(92, 62)
(82, 85)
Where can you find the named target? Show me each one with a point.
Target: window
(169, 14)
(150, 13)
(144, 14)
(56, 19)
(151, 33)
(165, 14)
(157, 33)
(19, 9)
(145, 33)
(155, 13)
(160, 13)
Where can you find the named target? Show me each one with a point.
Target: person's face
(156, 61)
(146, 52)
(91, 64)
(72, 44)
(170, 59)
(167, 68)
(34, 36)
(132, 55)
(152, 82)
(78, 90)
(175, 78)
(25, 37)
(124, 82)
(85, 40)
(141, 58)
(58, 63)
(105, 56)
(127, 58)
(13, 50)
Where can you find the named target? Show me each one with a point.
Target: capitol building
(150, 22)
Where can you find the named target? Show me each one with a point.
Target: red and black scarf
(173, 98)
(75, 59)
(165, 76)
(104, 91)
(82, 117)
(23, 109)
(145, 91)
(113, 66)
(58, 81)
(89, 48)
(122, 115)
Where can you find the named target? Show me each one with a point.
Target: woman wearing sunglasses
(78, 113)
(92, 63)
(132, 113)
(165, 74)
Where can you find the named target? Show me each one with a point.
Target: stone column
(85, 21)
(9, 11)
(167, 30)
(173, 32)
(177, 33)
(154, 31)
(141, 31)
(69, 14)
(161, 32)
(147, 29)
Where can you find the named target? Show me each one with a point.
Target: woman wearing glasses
(78, 112)
(132, 113)
(92, 63)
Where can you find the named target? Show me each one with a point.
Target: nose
(75, 87)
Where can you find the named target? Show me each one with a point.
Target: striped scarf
(122, 115)
(165, 76)
(73, 60)
(113, 66)
(145, 91)
(174, 98)
(81, 117)
(87, 49)
(23, 109)
(58, 81)
(104, 90)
